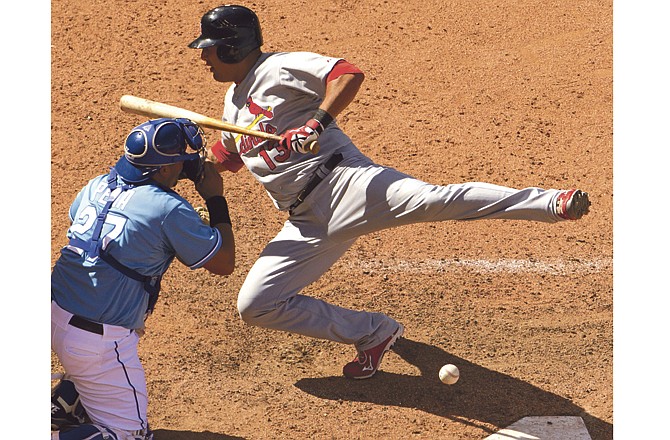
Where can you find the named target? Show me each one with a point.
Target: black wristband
(218, 210)
(323, 117)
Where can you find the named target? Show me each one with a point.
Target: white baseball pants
(356, 198)
(105, 370)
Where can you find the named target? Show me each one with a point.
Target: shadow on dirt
(480, 395)
(168, 434)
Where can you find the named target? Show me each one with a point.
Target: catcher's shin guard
(66, 409)
(96, 432)
(84, 432)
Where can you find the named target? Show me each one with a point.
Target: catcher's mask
(234, 29)
(161, 142)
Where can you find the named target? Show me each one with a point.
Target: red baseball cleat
(367, 362)
(572, 204)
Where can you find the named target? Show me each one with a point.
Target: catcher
(127, 227)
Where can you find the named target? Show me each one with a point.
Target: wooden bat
(146, 107)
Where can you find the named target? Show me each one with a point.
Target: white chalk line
(553, 267)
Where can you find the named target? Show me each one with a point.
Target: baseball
(449, 374)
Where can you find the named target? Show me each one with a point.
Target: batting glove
(299, 139)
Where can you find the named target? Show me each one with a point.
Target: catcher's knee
(69, 420)
(66, 408)
(84, 432)
(90, 431)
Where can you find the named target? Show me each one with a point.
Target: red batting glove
(297, 139)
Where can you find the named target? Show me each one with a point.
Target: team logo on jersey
(257, 110)
(248, 142)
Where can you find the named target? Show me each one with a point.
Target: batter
(332, 197)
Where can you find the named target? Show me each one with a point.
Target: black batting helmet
(234, 29)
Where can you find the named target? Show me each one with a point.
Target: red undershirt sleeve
(340, 68)
(231, 161)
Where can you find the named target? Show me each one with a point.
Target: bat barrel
(154, 109)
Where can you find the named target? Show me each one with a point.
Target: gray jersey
(283, 91)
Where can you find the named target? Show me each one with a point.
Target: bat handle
(313, 147)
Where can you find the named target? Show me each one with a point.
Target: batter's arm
(340, 92)
(342, 85)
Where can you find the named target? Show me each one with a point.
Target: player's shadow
(168, 434)
(480, 394)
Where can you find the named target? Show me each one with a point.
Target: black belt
(85, 324)
(330, 166)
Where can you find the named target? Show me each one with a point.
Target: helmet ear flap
(223, 54)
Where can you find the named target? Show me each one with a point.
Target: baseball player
(127, 227)
(332, 197)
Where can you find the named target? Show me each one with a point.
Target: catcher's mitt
(203, 213)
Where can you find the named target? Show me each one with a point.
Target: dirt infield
(517, 93)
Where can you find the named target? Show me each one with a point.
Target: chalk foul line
(552, 267)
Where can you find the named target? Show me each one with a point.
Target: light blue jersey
(146, 227)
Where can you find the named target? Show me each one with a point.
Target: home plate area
(544, 428)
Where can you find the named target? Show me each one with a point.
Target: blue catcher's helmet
(161, 142)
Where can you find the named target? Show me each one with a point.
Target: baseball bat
(146, 107)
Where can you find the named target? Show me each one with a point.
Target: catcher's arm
(210, 189)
